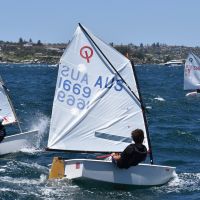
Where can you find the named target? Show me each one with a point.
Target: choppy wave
(174, 130)
(183, 182)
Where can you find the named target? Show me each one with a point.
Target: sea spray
(41, 123)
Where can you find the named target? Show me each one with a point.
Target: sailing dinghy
(13, 143)
(192, 75)
(97, 104)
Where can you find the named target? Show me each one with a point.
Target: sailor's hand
(116, 156)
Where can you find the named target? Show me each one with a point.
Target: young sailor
(134, 153)
(2, 130)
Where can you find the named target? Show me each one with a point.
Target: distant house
(38, 54)
(54, 49)
(28, 44)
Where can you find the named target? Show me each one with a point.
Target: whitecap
(159, 98)
(31, 150)
(149, 107)
(182, 182)
(20, 180)
(33, 165)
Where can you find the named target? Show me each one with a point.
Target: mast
(138, 99)
(143, 112)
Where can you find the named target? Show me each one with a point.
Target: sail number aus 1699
(69, 92)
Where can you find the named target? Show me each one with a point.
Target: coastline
(16, 53)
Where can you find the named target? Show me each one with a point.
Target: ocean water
(174, 124)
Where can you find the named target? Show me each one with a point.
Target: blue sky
(173, 22)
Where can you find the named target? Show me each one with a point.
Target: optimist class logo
(188, 69)
(86, 52)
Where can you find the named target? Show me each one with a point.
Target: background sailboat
(15, 142)
(192, 74)
(96, 106)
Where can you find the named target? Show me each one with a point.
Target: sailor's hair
(138, 136)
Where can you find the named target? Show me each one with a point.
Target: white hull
(16, 142)
(106, 171)
(190, 94)
(174, 63)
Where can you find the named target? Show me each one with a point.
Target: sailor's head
(138, 136)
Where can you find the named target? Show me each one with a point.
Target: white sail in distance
(6, 108)
(192, 72)
(93, 110)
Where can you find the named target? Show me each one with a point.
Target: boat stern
(70, 169)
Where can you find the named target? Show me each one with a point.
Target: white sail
(6, 109)
(93, 110)
(192, 72)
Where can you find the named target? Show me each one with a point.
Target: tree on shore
(20, 41)
(39, 43)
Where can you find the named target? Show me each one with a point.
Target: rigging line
(110, 63)
(143, 113)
